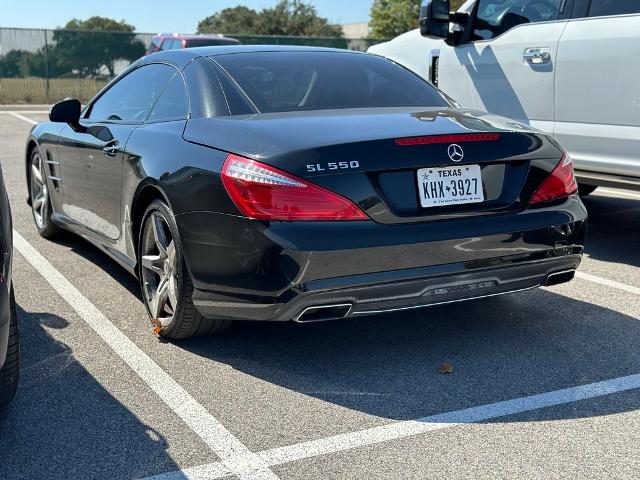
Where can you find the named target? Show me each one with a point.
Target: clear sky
(156, 15)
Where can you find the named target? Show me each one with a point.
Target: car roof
(182, 57)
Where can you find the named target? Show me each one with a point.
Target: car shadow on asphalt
(64, 424)
(613, 229)
(387, 365)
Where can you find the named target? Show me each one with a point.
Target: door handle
(111, 149)
(537, 55)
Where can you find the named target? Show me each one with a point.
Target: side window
(498, 16)
(132, 97)
(154, 45)
(238, 105)
(171, 44)
(173, 104)
(601, 8)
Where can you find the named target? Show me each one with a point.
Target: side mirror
(434, 18)
(66, 111)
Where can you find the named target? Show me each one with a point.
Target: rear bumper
(249, 270)
(417, 288)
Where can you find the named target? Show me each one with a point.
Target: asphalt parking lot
(546, 383)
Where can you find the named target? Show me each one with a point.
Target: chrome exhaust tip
(323, 313)
(557, 278)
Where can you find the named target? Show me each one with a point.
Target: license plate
(444, 186)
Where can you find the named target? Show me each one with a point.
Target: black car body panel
(383, 183)
(402, 256)
(6, 253)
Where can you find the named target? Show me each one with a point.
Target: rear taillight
(263, 192)
(560, 183)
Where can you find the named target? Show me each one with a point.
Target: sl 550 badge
(319, 167)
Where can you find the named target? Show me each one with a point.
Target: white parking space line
(609, 283)
(235, 457)
(27, 112)
(21, 117)
(201, 472)
(399, 430)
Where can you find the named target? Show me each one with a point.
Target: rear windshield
(300, 81)
(209, 42)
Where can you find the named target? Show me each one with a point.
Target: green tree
(390, 18)
(88, 45)
(238, 20)
(33, 64)
(296, 18)
(287, 17)
(10, 63)
(21, 63)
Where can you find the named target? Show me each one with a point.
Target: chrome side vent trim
(53, 170)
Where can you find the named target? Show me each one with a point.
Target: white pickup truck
(568, 67)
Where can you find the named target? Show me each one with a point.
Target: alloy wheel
(159, 270)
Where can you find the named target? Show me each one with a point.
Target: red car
(174, 42)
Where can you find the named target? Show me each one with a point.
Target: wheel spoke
(44, 209)
(35, 172)
(171, 254)
(159, 235)
(39, 201)
(173, 294)
(153, 263)
(160, 298)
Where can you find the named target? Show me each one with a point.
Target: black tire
(46, 228)
(584, 190)
(10, 372)
(185, 321)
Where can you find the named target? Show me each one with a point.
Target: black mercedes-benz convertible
(304, 184)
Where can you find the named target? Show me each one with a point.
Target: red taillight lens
(560, 183)
(266, 193)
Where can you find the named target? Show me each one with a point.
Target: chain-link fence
(43, 66)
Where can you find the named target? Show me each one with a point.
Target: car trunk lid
(379, 157)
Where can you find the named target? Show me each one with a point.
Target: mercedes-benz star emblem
(455, 152)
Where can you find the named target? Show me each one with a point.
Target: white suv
(567, 67)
